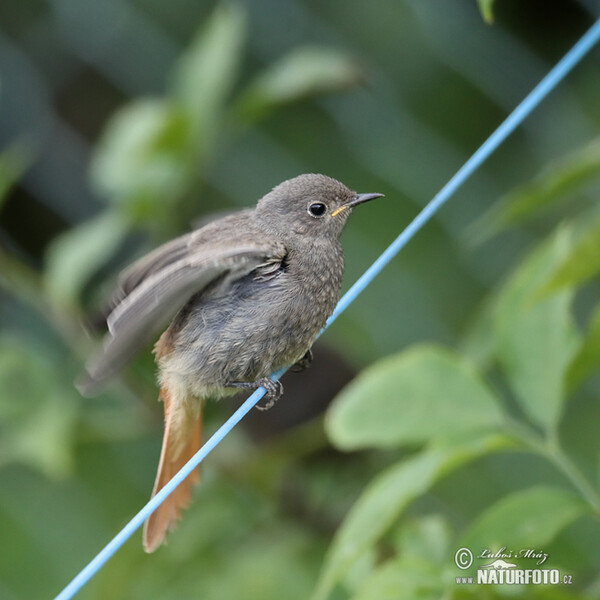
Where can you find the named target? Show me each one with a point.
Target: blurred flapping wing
(157, 286)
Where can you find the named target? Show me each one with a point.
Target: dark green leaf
(403, 579)
(528, 518)
(37, 414)
(478, 343)
(13, 163)
(206, 73)
(384, 499)
(581, 262)
(425, 538)
(415, 396)
(76, 255)
(142, 158)
(536, 340)
(485, 6)
(302, 73)
(587, 358)
(556, 183)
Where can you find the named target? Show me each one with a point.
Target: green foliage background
(472, 420)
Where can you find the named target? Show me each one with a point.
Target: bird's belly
(248, 333)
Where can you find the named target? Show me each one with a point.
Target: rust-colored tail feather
(181, 440)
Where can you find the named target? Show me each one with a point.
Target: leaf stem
(551, 449)
(574, 474)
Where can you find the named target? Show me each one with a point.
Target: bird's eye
(317, 209)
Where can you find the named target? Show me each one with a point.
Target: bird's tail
(181, 440)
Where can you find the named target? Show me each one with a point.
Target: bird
(241, 297)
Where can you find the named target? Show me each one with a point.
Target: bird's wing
(178, 248)
(150, 263)
(161, 292)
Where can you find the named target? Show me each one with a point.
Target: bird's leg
(274, 389)
(303, 363)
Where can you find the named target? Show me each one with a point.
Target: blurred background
(126, 122)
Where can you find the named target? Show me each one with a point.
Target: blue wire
(516, 117)
(519, 114)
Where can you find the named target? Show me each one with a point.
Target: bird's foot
(303, 363)
(273, 393)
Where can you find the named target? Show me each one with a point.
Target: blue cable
(518, 115)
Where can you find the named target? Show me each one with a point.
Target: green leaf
(206, 73)
(76, 255)
(529, 518)
(555, 183)
(403, 579)
(478, 344)
(536, 340)
(425, 537)
(37, 414)
(581, 262)
(386, 497)
(415, 396)
(302, 73)
(485, 6)
(587, 357)
(14, 161)
(142, 159)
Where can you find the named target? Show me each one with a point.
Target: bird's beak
(360, 198)
(355, 201)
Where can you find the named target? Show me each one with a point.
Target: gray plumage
(246, 295)
(253, 290)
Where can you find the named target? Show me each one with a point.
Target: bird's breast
(248, 328)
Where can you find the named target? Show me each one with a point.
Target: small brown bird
(249, 294)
